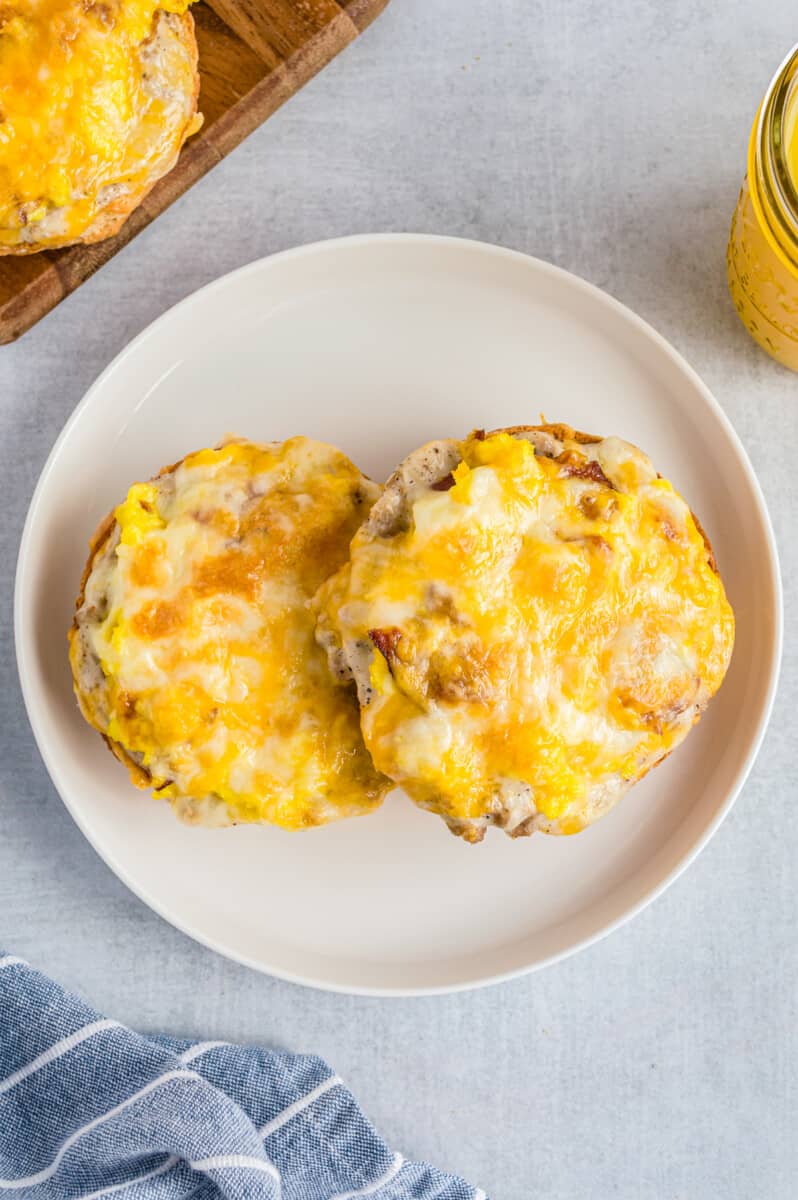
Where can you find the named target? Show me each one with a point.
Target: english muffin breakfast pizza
(97, 100)
(514, 630)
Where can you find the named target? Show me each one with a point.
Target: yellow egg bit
(70, 90)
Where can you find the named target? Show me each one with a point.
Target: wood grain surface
(253, 56)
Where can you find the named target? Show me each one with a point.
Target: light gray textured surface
(609, 139)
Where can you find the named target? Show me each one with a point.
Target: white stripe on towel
(222, 1161)
(172, 1161)
(304, 1102)
(200, 1048)
(392, 1171)
(11, 961)
(66, 1044)
(49, 1171)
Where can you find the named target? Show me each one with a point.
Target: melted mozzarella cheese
(542, 625)
(84, 109)
(197, 610)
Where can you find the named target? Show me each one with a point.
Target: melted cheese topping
(551, 623)
(80, 111)
(197, 612)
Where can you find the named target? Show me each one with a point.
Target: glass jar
(762, 259)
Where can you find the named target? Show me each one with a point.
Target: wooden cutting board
(253, 56)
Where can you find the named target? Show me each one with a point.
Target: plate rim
(620, 310)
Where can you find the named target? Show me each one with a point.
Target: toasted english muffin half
(533, 619)
(97, 100)
(193, 649)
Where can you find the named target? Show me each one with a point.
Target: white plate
(377, 344)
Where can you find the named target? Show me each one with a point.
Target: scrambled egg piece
(96, 99)
(533, 619)
(193, 647)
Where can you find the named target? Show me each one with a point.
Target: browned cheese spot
(386, 641)
(574, 466)
(158, 619)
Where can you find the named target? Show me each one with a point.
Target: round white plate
(377, 344)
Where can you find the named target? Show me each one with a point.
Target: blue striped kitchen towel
(88, 1109)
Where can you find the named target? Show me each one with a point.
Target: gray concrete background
(609, 138)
